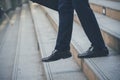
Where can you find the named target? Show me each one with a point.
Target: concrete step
(109, 8)
(59, 70)
(104, 68)
(27, 64)
(8, 43)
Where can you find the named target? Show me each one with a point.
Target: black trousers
(86, 17)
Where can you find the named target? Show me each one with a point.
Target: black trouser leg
(65, 25)
(89, 22)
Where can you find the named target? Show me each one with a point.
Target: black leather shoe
(56, 55)
(92, 52)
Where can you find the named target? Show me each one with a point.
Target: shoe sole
(93, 56)
(66, 57)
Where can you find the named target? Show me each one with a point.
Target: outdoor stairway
(24, 40)
(104, 68)
(31, 35)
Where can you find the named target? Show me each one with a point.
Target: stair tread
(106, 3)
(109, 25)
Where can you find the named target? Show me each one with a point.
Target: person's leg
(65, 25)
(91, 28)
(65, 11)
(62, 48)
(89, 22)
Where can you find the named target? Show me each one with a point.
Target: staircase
(31, 34)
